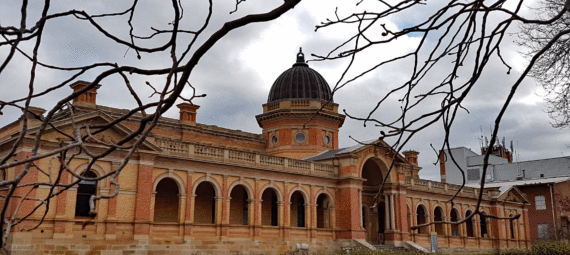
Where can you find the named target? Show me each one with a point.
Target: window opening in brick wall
(323, 211)
(297, 210)
(166, 201)
(540, 202)
(269, 208)
(483, 224)
(422, 219)
(85, 190)
(469, 224)
(512, 227)
(438, 216)
(454, 227)
(205, 204)
(542, 229)
(239, 205)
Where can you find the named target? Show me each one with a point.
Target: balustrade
(180, 148)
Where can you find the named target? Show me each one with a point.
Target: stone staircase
(385, 247)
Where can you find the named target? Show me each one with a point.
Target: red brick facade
(282, 200)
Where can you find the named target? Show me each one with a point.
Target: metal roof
(300, 82)
(330, 154)
(527, 182)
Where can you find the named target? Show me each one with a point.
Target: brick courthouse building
(194, 187)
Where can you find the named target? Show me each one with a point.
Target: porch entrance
(373, 218)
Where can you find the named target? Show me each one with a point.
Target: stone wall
(237, 246)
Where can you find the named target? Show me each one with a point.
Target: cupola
(300, 118)
(300, 82)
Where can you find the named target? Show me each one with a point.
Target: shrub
(550, 248)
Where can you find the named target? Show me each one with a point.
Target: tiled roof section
(300, 82)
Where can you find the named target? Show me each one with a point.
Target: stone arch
(302, 191)
(483, 224)
(422, 217)
(248, 188)
(298, 199)
(212, 181)
(274, 187)
(439, 215)
(177, 179)
(324, 204)
(205, 192)
(469, 224)
(454, 217)
(324, 191)
(167, 200)
(270, 199)
(239, 198)
(374, 170)
(94, 168)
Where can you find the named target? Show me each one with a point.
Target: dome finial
(300, 56)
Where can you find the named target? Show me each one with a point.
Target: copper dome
(300, 82)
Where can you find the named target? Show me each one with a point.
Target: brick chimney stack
(89, 98)
(32, 120)
(188, 113)
(411, 157)
(442, 159)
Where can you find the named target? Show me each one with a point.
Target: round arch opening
(372, 172)
(166, 201)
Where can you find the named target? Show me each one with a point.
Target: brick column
(401, 206)
(60, 210)
(189, 219)
(348, 210)
(143, 198)
(110, 224)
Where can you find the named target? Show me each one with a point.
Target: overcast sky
(239, 70)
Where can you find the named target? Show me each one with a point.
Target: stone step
(387, 247)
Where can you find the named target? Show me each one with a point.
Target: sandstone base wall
(135, 247)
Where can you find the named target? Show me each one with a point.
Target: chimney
(442, 167)
(88, 98)
(31, 116)
(188, 113)
(411, 157)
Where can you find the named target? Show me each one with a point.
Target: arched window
(454, 218)
(269, 208)
(85, 189)
(297, 210)
(422, 219)
(469, 224)
(205, 204)
(438, 216)
(166, 201)
(238, 205)
(512, 227)
(483, 223)
(323, 211)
